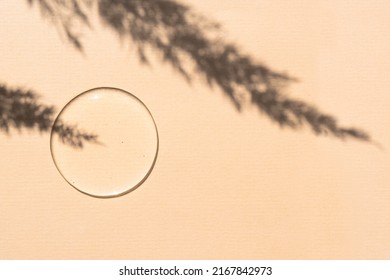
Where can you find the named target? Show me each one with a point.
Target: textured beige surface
(226, 184)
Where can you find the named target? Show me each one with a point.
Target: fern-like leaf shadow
(192, 45)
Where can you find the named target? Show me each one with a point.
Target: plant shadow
(192, 45)
(22, 109)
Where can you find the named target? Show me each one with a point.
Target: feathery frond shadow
(21, 109)
(191, 45)
(68, 16)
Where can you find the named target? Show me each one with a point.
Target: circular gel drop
(104, 142)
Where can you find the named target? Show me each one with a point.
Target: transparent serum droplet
(104, 142)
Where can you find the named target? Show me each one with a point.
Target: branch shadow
(191, 44)
(21, 109)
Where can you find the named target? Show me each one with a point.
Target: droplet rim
(131, 189)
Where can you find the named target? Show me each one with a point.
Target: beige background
(226, 185)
